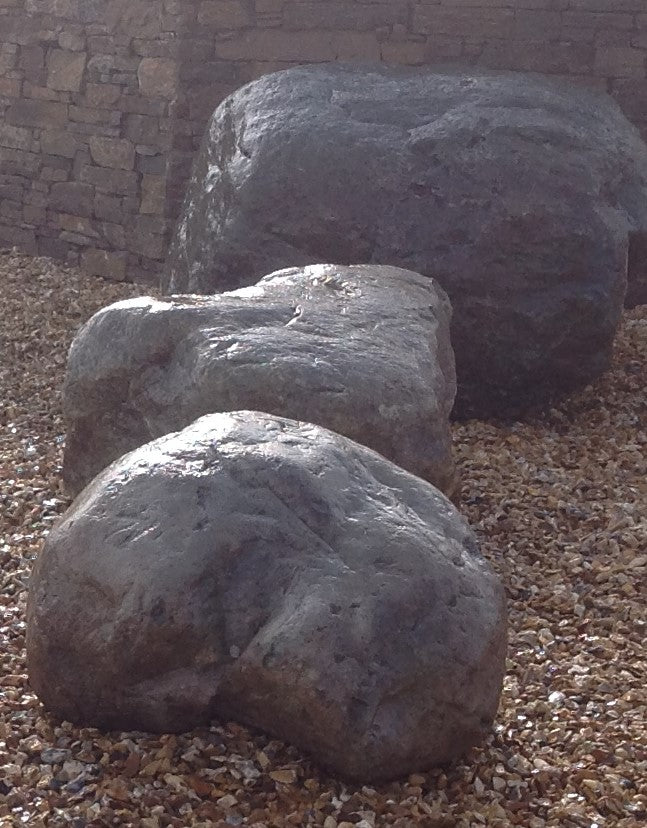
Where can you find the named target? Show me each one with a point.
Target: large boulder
(256, 568)
(364, 351)
(515, 192)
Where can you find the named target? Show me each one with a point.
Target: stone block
(464, 22)
(343, 15)
(638, 38)
(35, 216)
(108, 207)
(53, 174)
(76, 238)
(54, 248)
(10, 211)
(355, 46)
(10, 87)
(151, 165)
(158, 48)
(23, 238)
(32, 62)
(16, 161)
(442, 48)
(103, 263)
(117, 153)
(57, 162)
(269, 7)
(100, 95)
(37, 198)
(72, 41)
(62, 8)
(114, 234)
(131, 102)
(536, 24)
(275, 44)
(16, 192)
(84, 130)
(77, 224)
(140, 18)
(157, 77)
(147, 237)
(620, 62)
(605, 5)
(43, 114)
(38, 92)
(91, 115)
(58, 143)
(208, 72)
(612, 37)
(407, 52)
(547, 57)
(142, 129)
(224, 14)
(114, 182)
(72, 197)
(153, 195)
(65, 70)
(100, 64)
(598, 20)
(15, 137)
(151, 247)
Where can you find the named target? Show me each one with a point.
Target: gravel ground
(559, 505)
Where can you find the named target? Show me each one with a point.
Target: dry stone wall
(87, 89)
(103, 102)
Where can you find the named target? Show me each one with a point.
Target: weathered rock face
(516, 193)
(256, 568)
(364, 351)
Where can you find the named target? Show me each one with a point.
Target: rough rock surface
(515, 192)
(364, 351)
(277, 573)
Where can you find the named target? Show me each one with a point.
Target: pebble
(54, 756)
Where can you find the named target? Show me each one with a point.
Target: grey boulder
(364, 351)
(516, 193)
(255, 568)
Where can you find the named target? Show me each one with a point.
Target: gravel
(559, 505)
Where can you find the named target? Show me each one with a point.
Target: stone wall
(103, 102)
(87, 89)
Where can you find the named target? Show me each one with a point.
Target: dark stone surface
(515, 192)
(363, 351)
(637, 288)
(260, 569)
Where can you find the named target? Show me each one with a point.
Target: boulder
(363, 351)
(273, 572)
(516, 193)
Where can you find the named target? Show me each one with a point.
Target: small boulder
(515, 192)
(364, 351)
(256, 568)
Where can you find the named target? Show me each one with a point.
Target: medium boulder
(273, 572)
(363, 351)
(517, 193)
